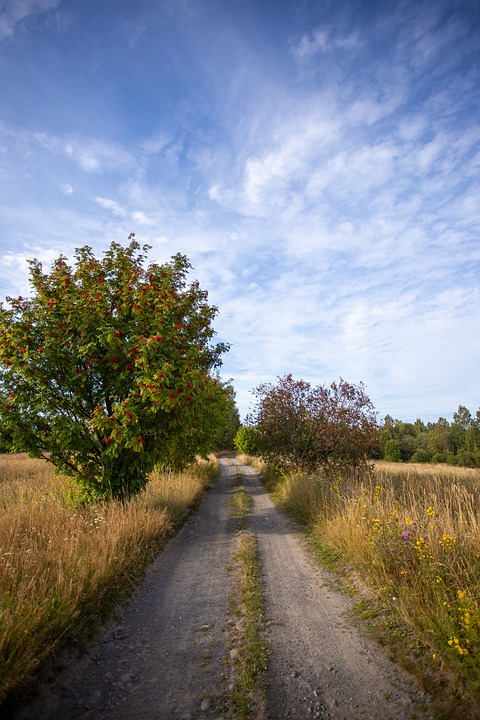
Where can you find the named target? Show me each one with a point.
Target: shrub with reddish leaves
(330, 427)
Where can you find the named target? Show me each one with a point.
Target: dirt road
(165, 656)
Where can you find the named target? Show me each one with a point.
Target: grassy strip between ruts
(248, 654)
(240, 503)
(406, 539)
(62, 569)
(246, 623)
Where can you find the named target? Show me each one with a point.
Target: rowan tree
(109, 367)
(329, 427)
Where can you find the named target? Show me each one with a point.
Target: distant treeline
(455, 443)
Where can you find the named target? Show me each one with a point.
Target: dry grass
(413, 533)
(427, 470)
(61, 568)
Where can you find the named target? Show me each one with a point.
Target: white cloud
(324, 40)
(95, 155)
(293, 150)
(15, 269)
(67, 189)
(112, 205)
(13, 12)
(156, 143)
(141, 218)
(412, 127)
(90, 153)
(214, 193)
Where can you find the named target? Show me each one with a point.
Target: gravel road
(165, 655)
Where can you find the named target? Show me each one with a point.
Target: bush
(392, 451)
(246, 440)
(466, 458)
(420, 456)
(332, 427)
(109, 368)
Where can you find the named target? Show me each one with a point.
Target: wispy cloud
(13, 13)
(91, 154)
(323, 40)
(322, 179)
(112, 205)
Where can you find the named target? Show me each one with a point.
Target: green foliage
(391, 451)
(332, 427)
(455, 443)
(467, 458)
(229, 423)
(246, 440)
(5, 440)
(108, 368)
(420, 456)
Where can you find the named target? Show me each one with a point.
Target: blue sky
(317, 161)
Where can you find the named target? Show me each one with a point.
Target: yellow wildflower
(447, 541)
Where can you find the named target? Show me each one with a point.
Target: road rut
(165, 655)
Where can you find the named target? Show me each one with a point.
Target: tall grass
(413, 534)
(62, 568)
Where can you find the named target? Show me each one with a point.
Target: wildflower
(421, 546)
(455, 643)
(406, 535)
(430, 512)
(447, 541)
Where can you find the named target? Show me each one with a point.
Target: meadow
(64, 567)
(408, 538)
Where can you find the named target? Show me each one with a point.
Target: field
(406, 537)
(410, 536)
(63, 567)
